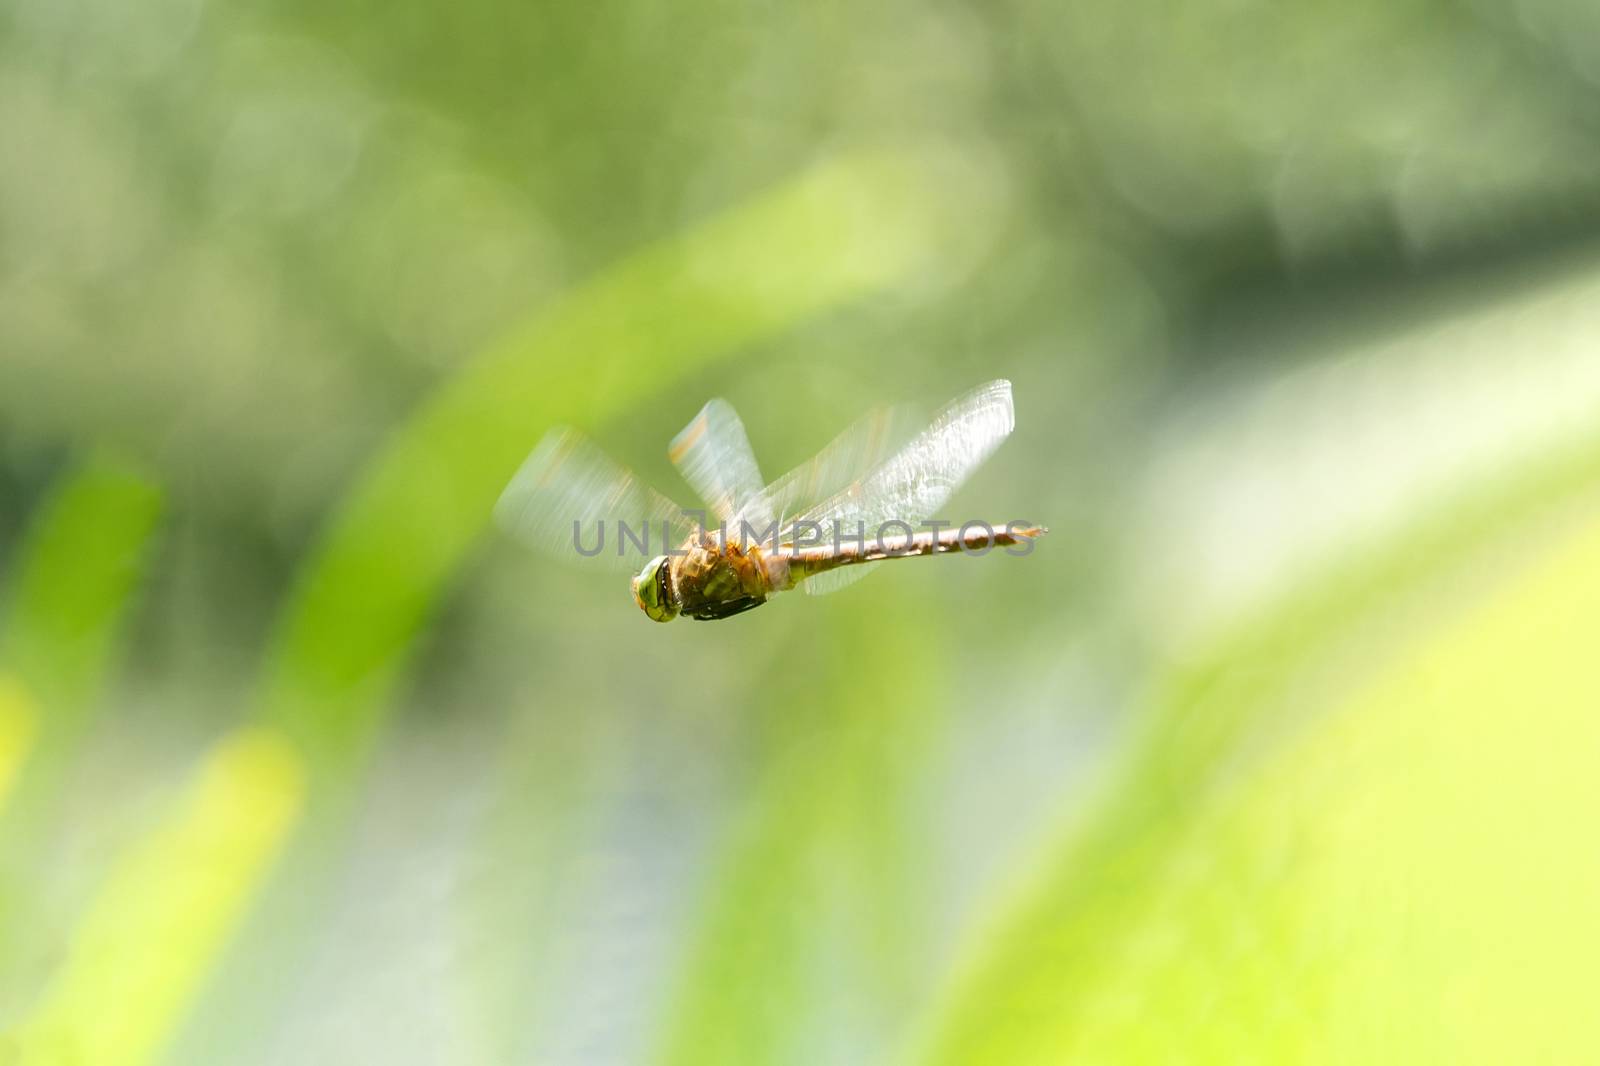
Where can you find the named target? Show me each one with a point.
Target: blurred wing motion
(569, 493)
(848, 456)
(714, 456)
(912, 484)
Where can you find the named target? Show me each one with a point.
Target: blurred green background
(1282, 747)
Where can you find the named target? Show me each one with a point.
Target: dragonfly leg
(728, 608)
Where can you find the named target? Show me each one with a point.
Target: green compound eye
(649, 590)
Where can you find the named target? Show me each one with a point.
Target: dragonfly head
(652, 593)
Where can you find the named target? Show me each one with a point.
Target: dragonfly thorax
(714, 577)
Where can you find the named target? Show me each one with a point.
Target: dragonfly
(859, 502)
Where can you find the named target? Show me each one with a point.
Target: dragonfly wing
(912, 484)
(870, 440)
(569, 499)
(714, 456)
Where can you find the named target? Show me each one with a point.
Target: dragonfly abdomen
(807, 560)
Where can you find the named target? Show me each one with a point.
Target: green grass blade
(19, 723)
(816, 869)
(1405, 880)
(154, 928)
(1044, 973)
(75, 575)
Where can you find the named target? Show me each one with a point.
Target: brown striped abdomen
(806, 560)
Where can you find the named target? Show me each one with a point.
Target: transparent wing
(571, 500)
(912, 484)
(848, 456)
(714, 456)
(871, 439)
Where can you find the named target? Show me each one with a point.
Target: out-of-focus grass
(244, 241)
(19, 720)
(74, 576)
(851, 226)
(1396, 882)
(1197, 914)
(155, 927)
(813, 878)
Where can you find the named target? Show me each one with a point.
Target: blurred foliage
(1212, 920)
(73, 579)
(151, 933)
(1276, 749)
